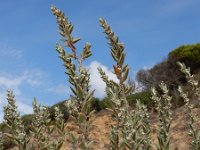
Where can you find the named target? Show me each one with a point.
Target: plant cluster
(194, 130)
(164, 110)
(132, 127)
(128, 132)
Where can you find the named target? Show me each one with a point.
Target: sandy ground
(102, 121)
(180, 140)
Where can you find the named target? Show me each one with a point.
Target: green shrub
(187, 52)
(105, 103)
(144, 97)
(27, 121)
(7, 143)
(96, 104)
(3, 127)
(168, 71)
(62, 107)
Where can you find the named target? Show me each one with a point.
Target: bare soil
(180, 140)
(179, 129)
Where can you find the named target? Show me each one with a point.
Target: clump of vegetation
(144, 97)
(163, 107)
(127, 132)
(194, 131)
(80, 102)
(168, 71)
(186, 54)
(132, 128)
(14, 123)
(40, 128)
(62, 107)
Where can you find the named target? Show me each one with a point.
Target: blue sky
(30, 65)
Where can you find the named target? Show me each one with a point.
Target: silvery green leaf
(125, 75)
(76, 40)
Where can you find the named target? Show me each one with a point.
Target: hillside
(103, 120)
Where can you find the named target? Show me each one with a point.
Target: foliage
(27, 120)
(96, 104)
(194, 131)
(101, 104)
(144, 97)
(163, 107)
(187, 52)
(105, 103)
(40, 127)
(14, 123)
(168, 71)
(79, 77)
(6, 143)
(3, 127)
(127, 133)
(62, 107)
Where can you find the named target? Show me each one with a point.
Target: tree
(189, 55)
(168, 70)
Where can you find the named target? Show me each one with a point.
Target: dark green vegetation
(187, 53)
(168, 71)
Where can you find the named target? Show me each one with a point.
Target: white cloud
(7, 51)
(95, 80)
(147, 67)
(34, 77)
(59, 89)
(7, 81)
(31, 77)
(23, 108)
